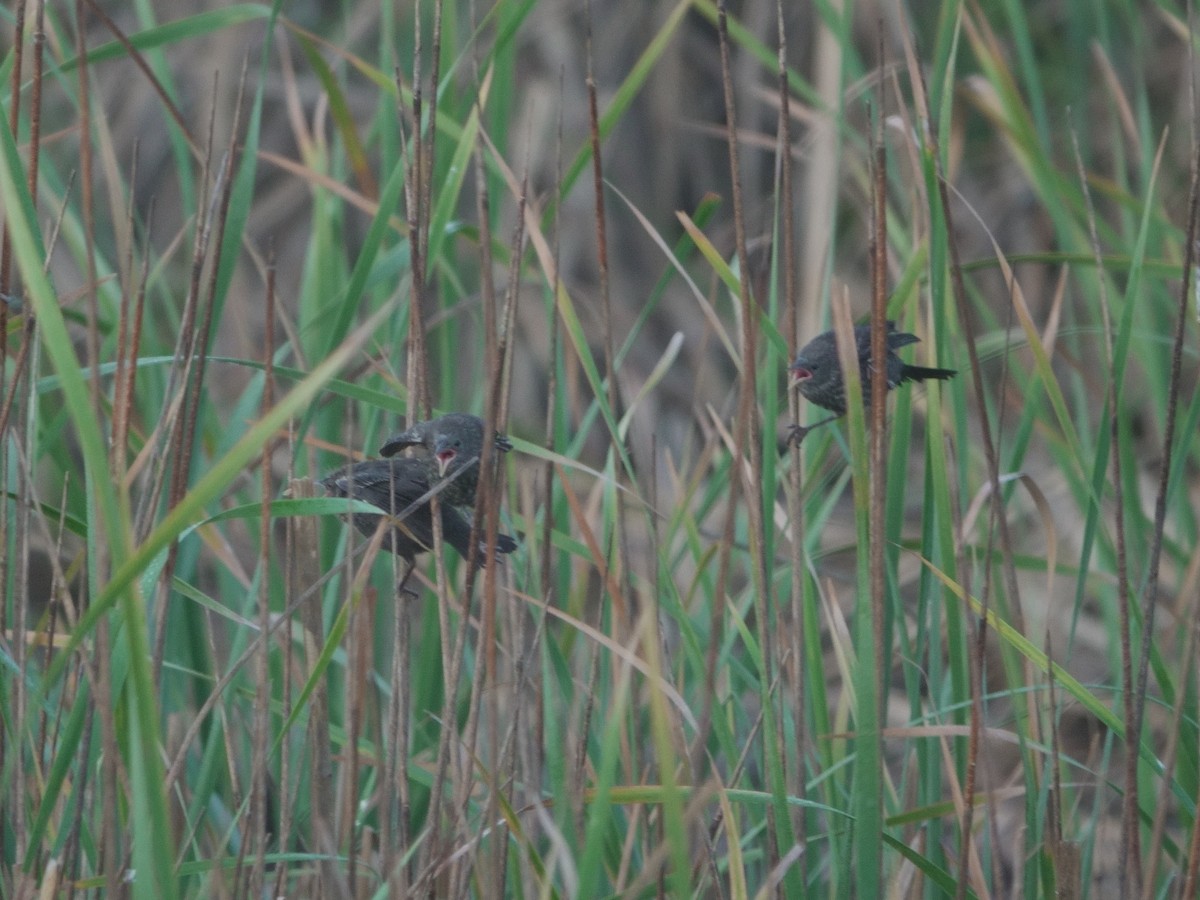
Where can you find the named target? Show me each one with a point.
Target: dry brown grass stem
(747, 453)
(420, 405)
(262, 720)
(625, 606)
(164, 96)
(795, 482)
(125, 357)
(878, 431)
(1131, 860)
(172, 422)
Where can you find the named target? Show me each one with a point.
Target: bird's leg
(400, 585)
(797, 433)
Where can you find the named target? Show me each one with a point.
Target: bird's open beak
(799, 374)
(444, 458)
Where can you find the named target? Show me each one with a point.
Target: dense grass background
(955, 656)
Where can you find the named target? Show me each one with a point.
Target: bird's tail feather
(920, 373)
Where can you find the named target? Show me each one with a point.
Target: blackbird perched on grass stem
(817, 371)
(455, 443)
(399, 488)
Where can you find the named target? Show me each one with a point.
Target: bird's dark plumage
(455, 444)
(394, 485)
(818, 374)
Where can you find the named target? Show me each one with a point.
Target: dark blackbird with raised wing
(395, 485)
(817, 372)
(455, 443)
